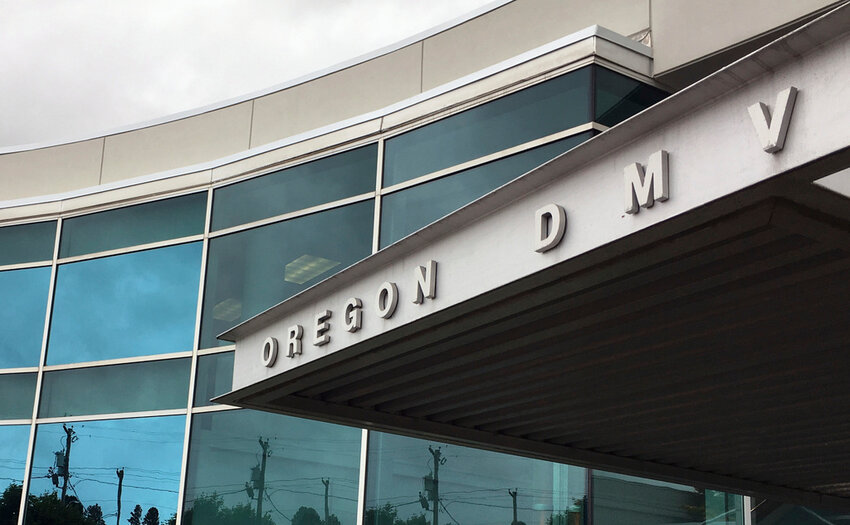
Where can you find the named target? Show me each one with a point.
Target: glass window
(415, 482)
(141, 456)
(618, 97)
(543, 109)
(23, 318)
(155, 385)
(17, 392)
(214, 377)
(252, 270)
(620, 499)
(13, 455)
(324, 180)
(300, 471)
(132, 225)
(126, 305)
(772, 512)
(403, 212)
(27, 242)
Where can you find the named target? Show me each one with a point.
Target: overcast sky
(77, 68)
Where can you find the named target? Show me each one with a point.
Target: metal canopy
(704, 346)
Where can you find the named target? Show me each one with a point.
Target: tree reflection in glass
(93, 472)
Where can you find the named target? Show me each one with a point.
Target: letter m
(645, 186)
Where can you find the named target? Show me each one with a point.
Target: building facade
(126, 257)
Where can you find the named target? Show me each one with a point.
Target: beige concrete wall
(359, 89)
(518, 27)
(176, 144)
(50, 170)
(686, 30)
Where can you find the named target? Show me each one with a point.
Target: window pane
(535, 112)
(772, 512)
(472, 486)
(305, 460)
(618, 97)
(405, 211)
(126, 305)
(156, 385)
(140, 224)
(17, 392)
(23, 319)
(13, 456)
(146, 450)
(215, 377)
(252, 270)
(619, 499)
(27, 242)
(324, 180)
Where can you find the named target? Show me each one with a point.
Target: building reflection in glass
(88, 472)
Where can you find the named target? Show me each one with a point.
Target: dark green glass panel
(618, 97)
(27, 242)
(14, 440)
(620, 499)
(133, 225)
(146, 450)
(214, 377)
(17, 392)
(127, 305)
(473, 486)
(548, 107)
(226, 456)
(252, 270)
(22, 319)
(135, 387)
(405, 211)
(772, 512)
(324, 180)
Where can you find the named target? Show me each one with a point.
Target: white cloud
(78, 68)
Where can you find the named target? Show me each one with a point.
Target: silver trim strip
(24, 266)
(116, 415)
(217, 350)
(361, 479)
(132, 249)
(214, 408)
(12, 422)
(118, 361)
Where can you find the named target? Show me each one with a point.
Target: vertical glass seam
(184, 463)
(361, 480)
(379, 176)
(40, 375)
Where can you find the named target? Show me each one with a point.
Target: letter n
(645, 186)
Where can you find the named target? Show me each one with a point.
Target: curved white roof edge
(592, 31)
(486, 8)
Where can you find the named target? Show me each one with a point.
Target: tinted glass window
(214, 378)
(626, 499)
(145, 451)
(27, 242)
(535, 112)
(415, 482)
(126, 305)
(324, 180)
(13, 455)
(252, 270)
(156, 385)
(22, 319)
(618, 97)
(403, 212)
(303, 472)
(17, 392)
(140, 224)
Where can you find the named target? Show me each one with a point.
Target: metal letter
(321, 337)
(644, 188)
(353, 314)
(293, 340)
(550, 223)
(426, 279)
(269, 352)
(387, 300)
(772, 131)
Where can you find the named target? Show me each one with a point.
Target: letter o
(269, 352)
(387, 300)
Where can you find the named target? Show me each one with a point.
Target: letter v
(771, 131)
